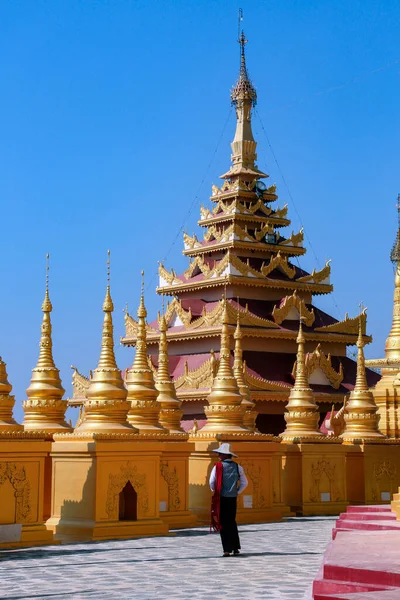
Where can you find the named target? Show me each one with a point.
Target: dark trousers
(229, 532)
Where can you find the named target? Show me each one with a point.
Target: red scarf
(216, 499)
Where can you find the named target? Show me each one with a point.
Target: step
(364, 516)
(380, 595)
(337, 586)
(368, 525)
(370, 508)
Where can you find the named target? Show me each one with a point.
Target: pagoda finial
(106, 406)
(392, 346)
(45, 408)
(243, 89)
(7, 423)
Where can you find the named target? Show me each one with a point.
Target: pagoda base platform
(314, 477)
(261, 458)
(179, 519)
(23, 482)
(106, 486)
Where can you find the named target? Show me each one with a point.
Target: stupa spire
(225, 411)
(142, 393)
(244, 98)
(392, 346)
(7, 423)
(302, 414)
(45, 408)
(106, 407)
(250, 415)
(360, 415)
(170, 413)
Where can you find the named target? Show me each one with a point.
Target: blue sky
(115, 120)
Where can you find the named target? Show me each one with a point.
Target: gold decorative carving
(131, 326)
(319, 359)
(202, 377)
(293, 301)
(116, 484)
(317, 276)
(191, 242)
(383, 468)
(22, 489)
(278, 262)
(80, 384)
(255, 473)
(259, 383)
(175, 307)
(172, 481)
(323, 467)
(296, 239)
(169, 276)
(347, 325)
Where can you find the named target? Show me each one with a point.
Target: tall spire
(361, 411)
(302, 412)
(170, 413)
(45, 408)
(142, 392)
(238, 369)
(225, 411)
(244, 98)
(392, 346)
(106, 406)
(7, 423)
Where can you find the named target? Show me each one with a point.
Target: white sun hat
(225, 449)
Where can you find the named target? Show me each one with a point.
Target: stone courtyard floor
(279, 562)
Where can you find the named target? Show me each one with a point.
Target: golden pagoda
(142, 392)
(387, 390)
(245, 249)
(7, 401)
(360, 414)
(106, 406)
(170, 412)
(45, 409)
(302, 412)
(250, 415)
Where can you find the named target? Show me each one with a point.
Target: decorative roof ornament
(45, 408)
(244, 88)
(106, 406)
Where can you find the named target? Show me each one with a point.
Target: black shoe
(226, 554)
(236, 552)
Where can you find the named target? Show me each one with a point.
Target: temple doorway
(128, 503)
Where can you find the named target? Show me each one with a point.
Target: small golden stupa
(302, 414)
(249, 419)
(170, 412)
(142, 393)
(360, 414)
(45, 409)
(106, 406)
(225, 411)
(7, 423)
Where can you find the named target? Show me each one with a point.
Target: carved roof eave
(263, 396)
(256, 246)
(251, 332)
(221, 217)
(277, 284)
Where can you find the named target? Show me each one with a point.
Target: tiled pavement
(278, 562)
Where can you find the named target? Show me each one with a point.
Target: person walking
(227, 480)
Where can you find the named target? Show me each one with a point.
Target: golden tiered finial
(392, 346)
(302, 414)
(244, 98)
(170, 413)
(361, 411)
(225, 411)
(45, 408)
(142, 392)
(106, 406)
(7, 423)
(250, 415)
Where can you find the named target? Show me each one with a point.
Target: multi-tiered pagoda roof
(248, 252)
